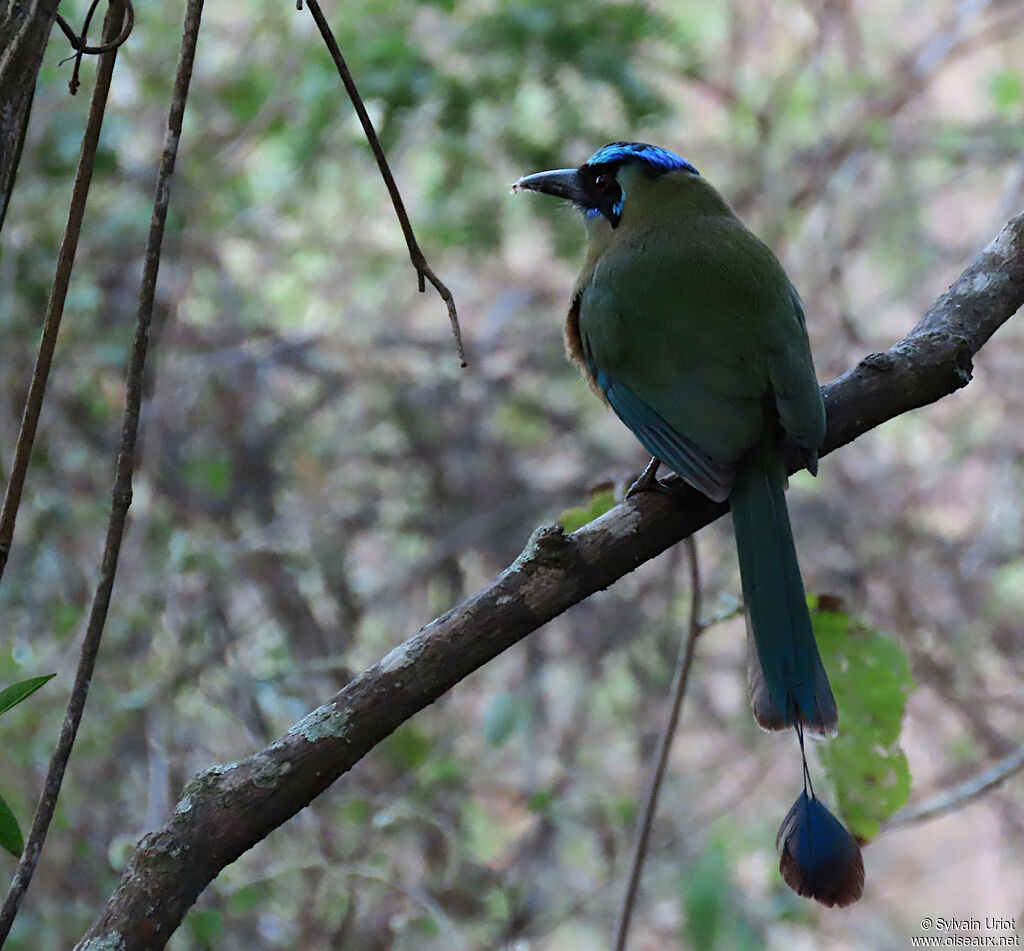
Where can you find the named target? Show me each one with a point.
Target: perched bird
(687, 326)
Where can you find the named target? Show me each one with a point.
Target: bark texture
(24, 29)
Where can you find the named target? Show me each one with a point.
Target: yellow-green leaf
(577, 517)
(871, 679)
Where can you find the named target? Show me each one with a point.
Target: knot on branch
(963, 361)
(549, 547)
(879, 362)
(82, 48)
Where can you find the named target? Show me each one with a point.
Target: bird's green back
(683, 305)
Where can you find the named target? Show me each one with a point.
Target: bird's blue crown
(660, 160)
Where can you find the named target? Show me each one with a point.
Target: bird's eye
(601, 182)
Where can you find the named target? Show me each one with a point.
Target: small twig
(78, 43)
(960, 795)
(680, 678)
(73, 83)
(122, 490)
(59, 291)
(82, 48)
(419, 261)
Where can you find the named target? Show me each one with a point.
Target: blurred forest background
(319, 477)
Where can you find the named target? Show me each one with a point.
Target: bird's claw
(649, 482)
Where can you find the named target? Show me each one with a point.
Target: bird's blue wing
(680, 454)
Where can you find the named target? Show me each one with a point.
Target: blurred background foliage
(319, 478)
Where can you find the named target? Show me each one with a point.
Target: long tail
(788, 683)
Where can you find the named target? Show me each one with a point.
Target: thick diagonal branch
(228, 809)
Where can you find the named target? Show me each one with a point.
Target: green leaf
(425, 926)
(500, 718)
(357, 810)
(206, 925)
(248, 898)
(713, 910)
(443, 770)
(541, 800)
(212, 473)
(871, 679)
(10, 833)
(599, 503)
(15, 693)
(407, 747)
(64, 618)
(1007, 90)
(706, 891)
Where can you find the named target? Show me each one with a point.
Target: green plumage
(688, 326)
(785, 670)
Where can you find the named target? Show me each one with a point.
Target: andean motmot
(687, 326)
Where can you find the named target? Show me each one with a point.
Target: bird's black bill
(560, 182)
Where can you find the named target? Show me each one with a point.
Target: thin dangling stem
(808, 785)
(680, 679)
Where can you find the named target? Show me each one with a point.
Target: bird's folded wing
(677, 452)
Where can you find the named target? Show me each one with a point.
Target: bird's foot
(649, 482)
